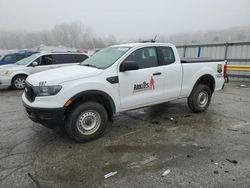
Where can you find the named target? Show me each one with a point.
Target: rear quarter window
(166, 55)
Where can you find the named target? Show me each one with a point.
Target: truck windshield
(105, 58)
(27, 60)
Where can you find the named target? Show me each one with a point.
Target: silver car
(15, 75)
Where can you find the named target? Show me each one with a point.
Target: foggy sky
(126, 18)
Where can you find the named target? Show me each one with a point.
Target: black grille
(29, 92)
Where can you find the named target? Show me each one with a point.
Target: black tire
(77, 125)
(18, 82)
(200, 98)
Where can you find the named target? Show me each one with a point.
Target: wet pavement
(210, 149)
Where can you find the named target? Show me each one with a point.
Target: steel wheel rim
(88, 122)
(19, 83)
(203, 99)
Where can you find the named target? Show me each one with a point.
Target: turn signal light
(67, 103)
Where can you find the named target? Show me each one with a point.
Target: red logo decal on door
(152, 83)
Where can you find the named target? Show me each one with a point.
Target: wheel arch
(206, 79)
(94, 95)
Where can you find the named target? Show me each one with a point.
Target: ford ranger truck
(82, 98)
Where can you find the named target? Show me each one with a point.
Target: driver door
(145, 85)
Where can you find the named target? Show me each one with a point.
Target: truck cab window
(145, 57)
(166, 55)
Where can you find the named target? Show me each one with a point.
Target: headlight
(47, 90)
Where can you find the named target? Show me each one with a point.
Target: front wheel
(86, 121)
(200, 98)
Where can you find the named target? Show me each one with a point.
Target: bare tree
(72, 34)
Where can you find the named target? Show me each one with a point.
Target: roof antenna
(154, 40)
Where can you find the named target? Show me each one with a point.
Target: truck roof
(143, 44)
(60, 52)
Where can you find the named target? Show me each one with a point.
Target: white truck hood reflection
(64, 74)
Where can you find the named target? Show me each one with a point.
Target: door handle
(156, 73)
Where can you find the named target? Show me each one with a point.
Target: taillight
(225, 70)
(225, 73)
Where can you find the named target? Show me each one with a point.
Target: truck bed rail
(200, 60)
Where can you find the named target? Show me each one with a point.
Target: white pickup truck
(82, 98)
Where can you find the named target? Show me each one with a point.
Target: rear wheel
(200, 98)
(18, 82)
(87, 121)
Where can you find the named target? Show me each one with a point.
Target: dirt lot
(210, 149)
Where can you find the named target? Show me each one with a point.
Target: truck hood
(64, 74)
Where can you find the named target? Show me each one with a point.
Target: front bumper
(5, 82)
(48, 117)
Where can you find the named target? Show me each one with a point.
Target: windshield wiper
(89, 65)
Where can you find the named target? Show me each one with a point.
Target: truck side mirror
(34, 64)
(129, 65)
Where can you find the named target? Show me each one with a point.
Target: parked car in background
(16, 74)
(14, 57)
